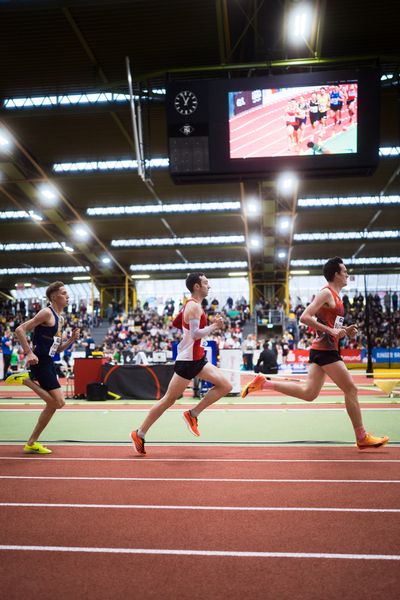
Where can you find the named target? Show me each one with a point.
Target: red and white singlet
(189, 349)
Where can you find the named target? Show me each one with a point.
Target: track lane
(169, 469)
(343, 533)
(279, 494)
(101, 577)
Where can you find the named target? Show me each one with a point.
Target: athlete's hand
(338, 333)
(351, 331)
(218, 322)
(76, 334)
(31, 359)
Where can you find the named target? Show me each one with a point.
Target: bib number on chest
(55, 345)
(338, 323)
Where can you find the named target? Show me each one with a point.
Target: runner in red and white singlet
(190, 362)
(189, 348)
(325, 314)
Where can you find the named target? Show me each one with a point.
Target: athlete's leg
(222, 387)
(56, 401)
(307, 391)
(176, 387)
(39, 391)
(339, 374)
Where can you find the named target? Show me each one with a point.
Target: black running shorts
(188, 369)
(45, 373)
(324, 357)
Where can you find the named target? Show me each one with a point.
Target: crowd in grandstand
(147, 330)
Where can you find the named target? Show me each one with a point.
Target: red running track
(181, 549)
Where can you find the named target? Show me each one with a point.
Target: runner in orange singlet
(190, 362)
(325, 315)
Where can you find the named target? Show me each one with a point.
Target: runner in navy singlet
(47, 340)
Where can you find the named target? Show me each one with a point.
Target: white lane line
(199, 479)
(141, 460)
(199, 507)
(216, 553)
(214, 410)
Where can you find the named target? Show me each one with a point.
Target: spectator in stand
(395, 301)
(229, 303)
(89, 345)
(267, 361)
(6, 347)
(110, 313)
(248, 347)
(387, 302)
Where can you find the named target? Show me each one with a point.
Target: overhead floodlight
(81, 232)
(284, 224)
(252, 206)
(282, 254)
(67, 247)
(5, 140)
(299, 23)
(106, 260)
(48, 194)
(82, 278)
(238, 274)
(144, 276)
(287, 183)
(255, 242)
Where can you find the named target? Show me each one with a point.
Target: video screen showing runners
(295, 121)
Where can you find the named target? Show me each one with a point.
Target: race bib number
(338, 323)
(55, 346)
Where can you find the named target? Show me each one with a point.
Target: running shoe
(36, 448)
(138, 443)
(371, 442)
(255, 384)
(16, 378)
(191, 423)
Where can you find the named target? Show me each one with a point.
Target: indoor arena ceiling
(63, 48)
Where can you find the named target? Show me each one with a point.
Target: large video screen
(293, 121)
(320, 124)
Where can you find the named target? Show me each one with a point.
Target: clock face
(185, 102)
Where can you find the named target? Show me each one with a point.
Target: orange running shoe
(138, 443)
(191, 422)
(371, 442)
(255, 384)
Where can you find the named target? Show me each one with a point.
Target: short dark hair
(331, 267)
(192, 279)
(53, 287)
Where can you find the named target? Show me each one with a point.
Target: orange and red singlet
(331, 317)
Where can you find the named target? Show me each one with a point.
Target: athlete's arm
(41, 318)
(308, 317)
(192, 316)
(74, 336)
